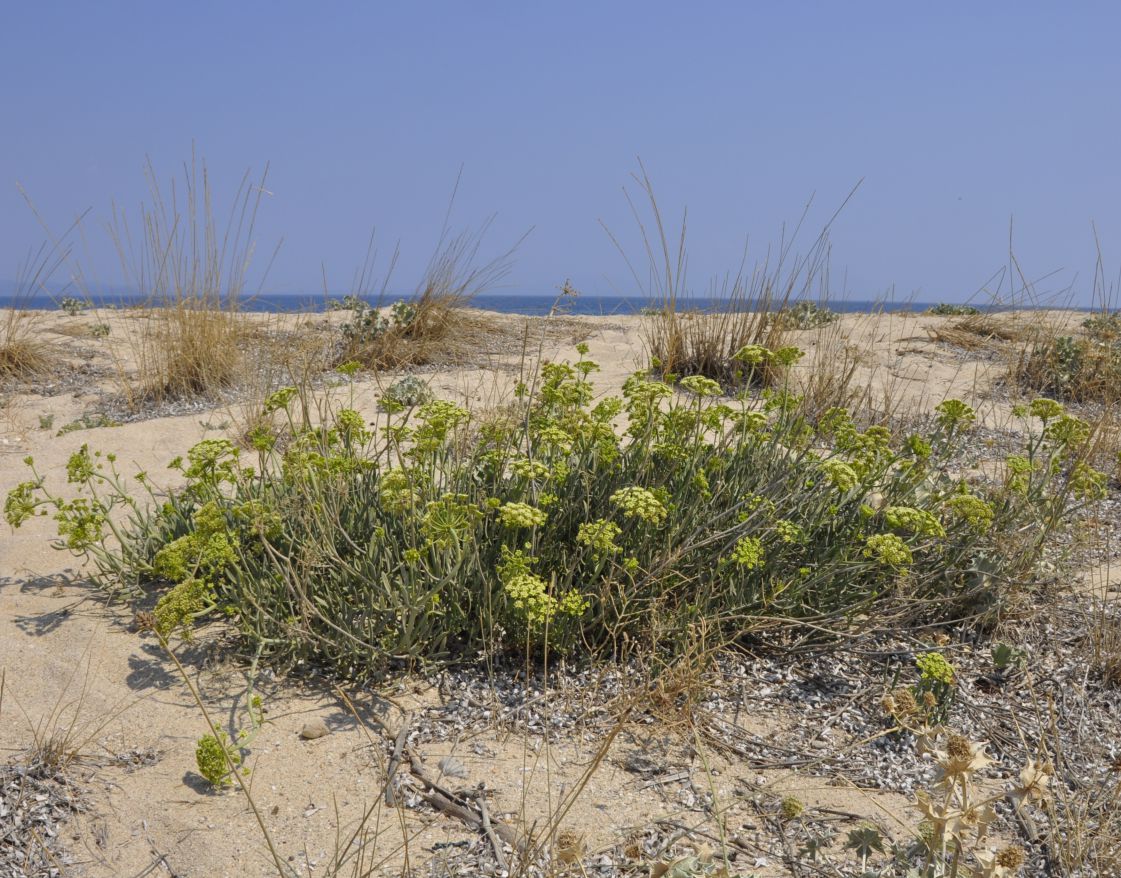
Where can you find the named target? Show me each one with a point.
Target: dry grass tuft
(1105, 646)
(189, 348)
(684, 340)
(982, 331)
(193, 276)
(1071, 368)
(435, 326)
(23, 352)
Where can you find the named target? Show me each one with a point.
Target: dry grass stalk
(989, 330)
(683, 340)
(24, 353)
(192, 275)
(434, 326)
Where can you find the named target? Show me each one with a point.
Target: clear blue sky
(958, 115)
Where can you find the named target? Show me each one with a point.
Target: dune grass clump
(1072, 368)
(192, 273)
(747, 308)
(359, 547)
(952, 309)
(807, 315)
(434, 325)
(979, 330)
(23, 353)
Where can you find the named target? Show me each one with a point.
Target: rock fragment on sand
(313, 729)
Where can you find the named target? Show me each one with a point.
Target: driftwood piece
(394, 764)
(499, 853)
(443, 799)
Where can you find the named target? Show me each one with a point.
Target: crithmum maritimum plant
(420, 535)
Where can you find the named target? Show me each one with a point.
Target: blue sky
(959, 117)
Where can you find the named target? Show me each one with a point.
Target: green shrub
(405, 393)
(1104, 326)
(1070, 368)
(950, 309)
(560, 527)
(806, 315)
(73, 306)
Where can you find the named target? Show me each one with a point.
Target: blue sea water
(507, 303)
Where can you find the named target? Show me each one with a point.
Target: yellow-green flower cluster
(450, 520)
(842, 476)
(521, 515)
(919, 446)
(553, 437)
(1044, 409)
(752, 354)
(207, 549)
(352, 425)
(788, 531)
(1087, 483)
(80, 466)
(599, 536)
(211, 461)
(913, 521)
(262, 519)
(178, 607)
(279, 399)
(954, 413)
(702, 386)
(573, 604)
(1068, 432)
(1020, 471)
(640, 503)
(787, 355)
(20, 503)
(438, 418)
(889, 550)
(974, 511)
(757, 354)
(934, 668)
(396, 491)
(748, 553)
(751, 421)
(530, 470)
(530, 595)
(214, 756)
(80, 523)
(528, 592)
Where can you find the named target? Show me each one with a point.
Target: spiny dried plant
(957, 815)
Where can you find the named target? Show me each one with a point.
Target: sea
(535, 304)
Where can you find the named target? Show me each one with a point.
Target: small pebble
(313, 729)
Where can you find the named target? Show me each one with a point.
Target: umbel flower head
(748, 553)
(521, 515)
(889, 550)
(640, 503)
(702, 386)
(934, 668)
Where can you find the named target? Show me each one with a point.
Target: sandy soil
(73, 663)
